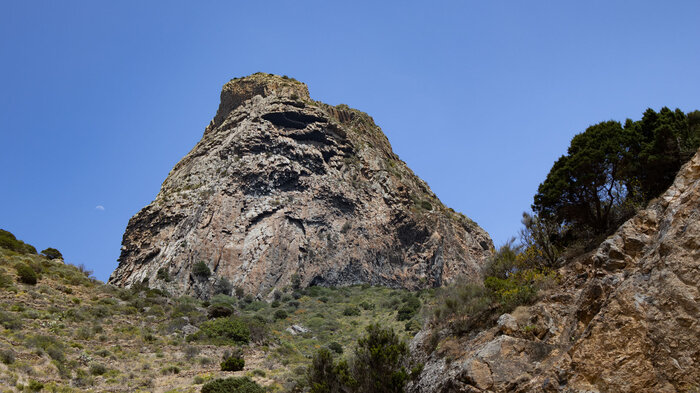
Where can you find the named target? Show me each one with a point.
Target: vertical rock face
(626, 318)
(282, 186)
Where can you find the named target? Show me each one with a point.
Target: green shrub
(7, 356)
(258, 328)
(335, 347)
(280, 314)
(35, 386)
(163, 274)
(238, 291)
(351, 311)
(379, 361)
(223, 286)
(367, 305)
(322, 375)
(232, 363)
(224, 331)
(50, 344)
(97, 369)
(10, 242)
(25, 274)
(411, 305)
(201, 270)
(52, 253)
(232, 385)
(9, 321)
(56, 353)
(5, 280)
(219, 311)
(170, 370)
(296, 281)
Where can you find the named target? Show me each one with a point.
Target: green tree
(584, 186)
(610, 171)
(52, 253)
(321, 375)
(380, 357)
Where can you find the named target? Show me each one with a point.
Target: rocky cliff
(282, 186)
(625, 318)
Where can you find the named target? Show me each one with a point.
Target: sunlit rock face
(284, 187)
(624, 318)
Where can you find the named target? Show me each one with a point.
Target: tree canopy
(610, 170)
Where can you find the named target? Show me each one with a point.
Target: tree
(610, 171)
(584, 186)
(321, 376)
(52, 253)
(379, 361)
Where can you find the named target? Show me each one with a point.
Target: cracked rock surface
(625, 318)
(282, 186)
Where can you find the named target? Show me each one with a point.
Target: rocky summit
(284, 190)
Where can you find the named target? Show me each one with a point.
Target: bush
(9, 321)
(224, 330)
(280, 314)
(223, 286)
(257, 327)
(170, 370)
(238, 291)
(5, 280)
(219, 311)
(7, 356)
(411, 305)
(367, 305)
(232, 363)
(296, 281)
(232, 385)
(35, 386)
(10, 242)
(97, 369)
(351, 311)
(52, 253)
(201, 270)
(163, 274)
(335, 347)
(26, 274)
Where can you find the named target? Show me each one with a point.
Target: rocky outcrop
(282, 187)
(626, 318)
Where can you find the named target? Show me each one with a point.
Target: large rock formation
(626, 318)
(282, 186)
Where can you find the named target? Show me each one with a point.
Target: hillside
(283, 187)
(71, 333)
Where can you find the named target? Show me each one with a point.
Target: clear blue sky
(98, 100)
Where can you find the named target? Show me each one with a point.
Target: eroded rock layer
(625, 318)
(281, 186)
